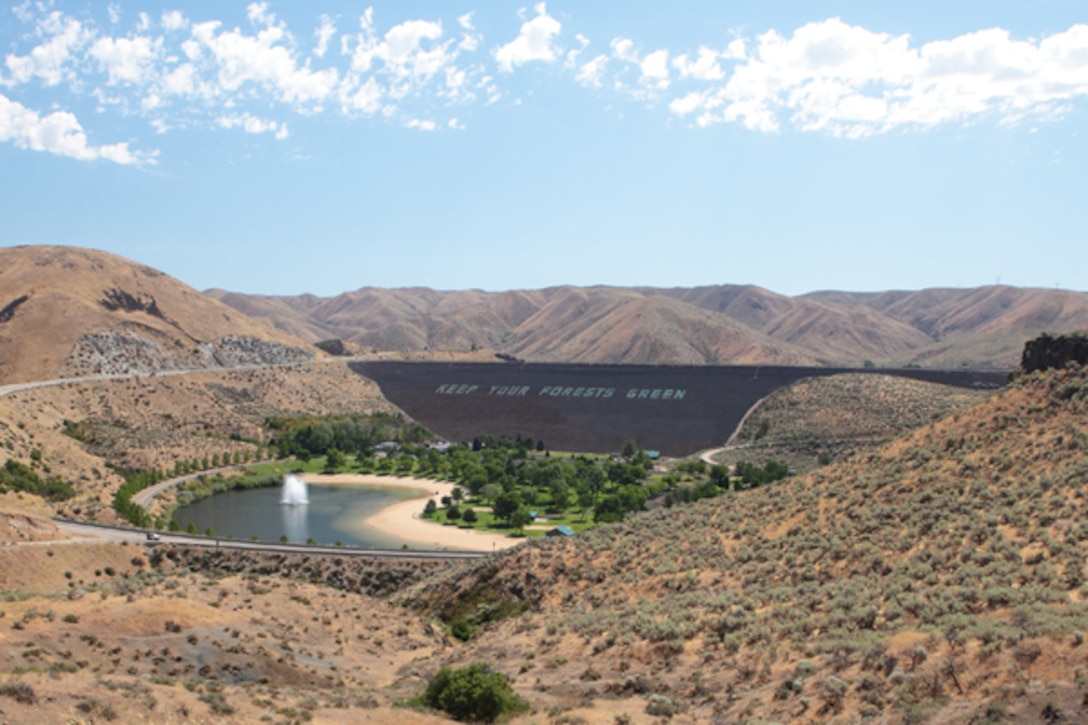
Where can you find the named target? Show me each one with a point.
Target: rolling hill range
(984, 327)
(67, 312)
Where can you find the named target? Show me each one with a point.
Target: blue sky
(282, 148)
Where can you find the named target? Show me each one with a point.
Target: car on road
(152, 536)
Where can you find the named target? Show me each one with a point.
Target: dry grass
(165, 645)
(834, 417)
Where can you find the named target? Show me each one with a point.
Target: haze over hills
(67, 311)
(983, 327)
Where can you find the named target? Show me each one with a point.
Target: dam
(674, 409)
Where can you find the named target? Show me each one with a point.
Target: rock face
(1054, 351)
(126, 352)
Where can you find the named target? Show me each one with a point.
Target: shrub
(462, 629)
(473, 694)
(19, 691)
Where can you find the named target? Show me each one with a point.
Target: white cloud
(591, 71)
(59, 133)
(126, 60)
(470, 39)
(365, 97)
(534, 42)
(181, 81)
(624, 49)
(114, 12)
(409, 54)
(850, 81)
(252, 124)
(704, 68)
(572, 56)
(264, 59)
(52, 60)
(174, 20)
(323, 35)
(258, 14)
(689, 103)
(144, 23)
(421, 125)
(655, 69)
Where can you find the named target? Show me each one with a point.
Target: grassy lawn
(486, 521)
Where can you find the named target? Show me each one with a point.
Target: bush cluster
(473, 694)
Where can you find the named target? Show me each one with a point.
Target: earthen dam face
(594, 408)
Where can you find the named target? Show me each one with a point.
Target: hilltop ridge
(985, 327)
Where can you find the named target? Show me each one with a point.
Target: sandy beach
(403, 519)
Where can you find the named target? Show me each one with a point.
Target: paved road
(143, 498)
(100, 532)
(17, 387)
(731, 444)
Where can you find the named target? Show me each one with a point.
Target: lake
(335, 513)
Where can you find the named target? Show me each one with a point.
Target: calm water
(335, 513)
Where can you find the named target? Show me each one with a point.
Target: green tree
(429, 508)
(469, 516)
(335, 460)
(719, 475)
(608, 510)
(521, 518)
(586, 499)
(453, 513)
(491, 491)
(630, 449)
(506, 504)
(473, 694)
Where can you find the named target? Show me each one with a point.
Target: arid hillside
(818, 420)
(984, 327)
(68, 312)
(940, 578)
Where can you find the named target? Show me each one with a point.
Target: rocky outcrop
(1054, 351)
(118, 299)
(335, 346)
(9, 309)
(128, 352)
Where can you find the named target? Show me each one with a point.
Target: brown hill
(68, 311)
(983, 328)
(606, 325)
(940, 578)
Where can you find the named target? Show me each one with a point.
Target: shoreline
(402, 519)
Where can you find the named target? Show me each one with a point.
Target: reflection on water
(334, 513)
(294, 522)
